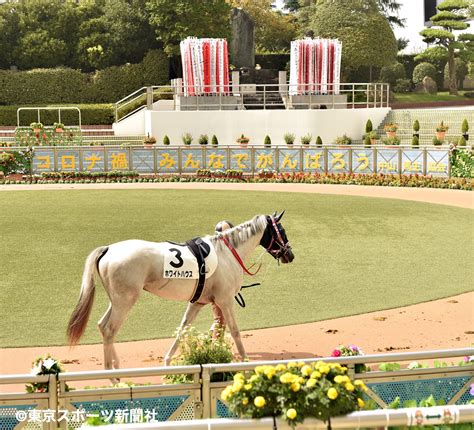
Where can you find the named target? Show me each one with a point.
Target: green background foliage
(353, 255)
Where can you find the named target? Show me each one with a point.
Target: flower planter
(59, 130)
(37, 130)
(440, 135)
(373, 142)
(391, 133)
(466, 136)
(148, 146)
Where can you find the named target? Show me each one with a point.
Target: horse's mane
(242, 232)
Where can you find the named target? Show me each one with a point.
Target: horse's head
(274, 239)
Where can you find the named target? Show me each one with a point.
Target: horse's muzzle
(287, 256)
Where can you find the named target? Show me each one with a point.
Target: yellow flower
(324, 369)
(226, 393)
(239, 377)
(247, 387)
(306, 370)
(295, 386)
(316, 375)
(339, 379)
(259, 402)
(332, 393)
(292, 364)
(311, 382)
(300, 364)
(349, 386)
(291, 413)
(245, 401)
(236, 387)
(270, 372)
(259, 370)
(359, 383)
(360, 402)
(288, 378)
(280, 367)
(253, 378)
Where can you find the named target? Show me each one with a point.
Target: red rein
(237, 257)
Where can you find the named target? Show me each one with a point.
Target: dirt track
(441, 324)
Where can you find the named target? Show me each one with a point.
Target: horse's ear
(280, 216)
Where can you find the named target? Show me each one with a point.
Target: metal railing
(256, 96)
(52, 108)
(199, 398)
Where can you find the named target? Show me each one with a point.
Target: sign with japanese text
(338, 160)
(387, 161)
(289, 160)
(363, 160)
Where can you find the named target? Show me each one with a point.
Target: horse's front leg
(229, 316)
(191, 311)
(218, 326)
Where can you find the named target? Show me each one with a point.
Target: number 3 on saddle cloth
(195, 259)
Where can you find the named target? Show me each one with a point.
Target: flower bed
(417, 181)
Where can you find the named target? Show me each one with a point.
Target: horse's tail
(80, 316)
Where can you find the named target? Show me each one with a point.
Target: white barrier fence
(200, 397)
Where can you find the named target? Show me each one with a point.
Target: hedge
(91, 114)
(61, 85)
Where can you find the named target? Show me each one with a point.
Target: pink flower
(336, 353)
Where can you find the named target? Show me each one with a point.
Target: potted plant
(342, 140)
(187, 138)
(372, 135)
(36, 127)
(391, 129)
(203, 139)
(149, 141)
(416, 128)
(289, 138)
(243, 140)
(368, 126)
(306, 139)
(415, 141)
(465, 129)
(319, 141)
(214, 141)
(437, 141)
(462, 141)
(441, 130)
(392, 141)
(267, 141)
(58, 127)
(166, 140)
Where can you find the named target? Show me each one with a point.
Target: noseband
(276, 238)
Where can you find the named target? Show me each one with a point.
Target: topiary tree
(451, 16)
(166, 140)
(214, 140)
(319, 141)
(462, 141)
(267, 141)
(392, 73)
(415, 141)
(422, 70)
(416, 126)
(367, 140)
(368, 126)
(461, 71)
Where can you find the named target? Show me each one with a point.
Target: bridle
(276, 238)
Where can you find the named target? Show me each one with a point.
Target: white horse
(129, 267)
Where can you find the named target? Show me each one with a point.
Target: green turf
(424, 97)
(353, 255)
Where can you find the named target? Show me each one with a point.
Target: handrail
(39, 109)
(304, 96)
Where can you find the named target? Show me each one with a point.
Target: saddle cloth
(180, 263)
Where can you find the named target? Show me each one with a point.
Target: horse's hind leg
(109, 325)
(191, 311)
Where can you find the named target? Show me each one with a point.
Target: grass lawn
(422, 97)
(353, 255)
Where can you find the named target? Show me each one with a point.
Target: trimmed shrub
(368, 126)
(93, 114)
(267, 141)
(422, 70)
(61, 85)
(415, 141)
(166, 140)
(367, 140)
(392, 73)
(462, 141)
(464, 126)
(416, 126)
(319, 141)
(402, 86)
(214, 140)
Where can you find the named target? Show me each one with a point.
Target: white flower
(36, 370)
(48, 363)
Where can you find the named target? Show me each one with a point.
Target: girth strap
(197, 247)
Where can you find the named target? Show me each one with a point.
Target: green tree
(366, 36)
(174, 20)
(461, 72)
(451, 16)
